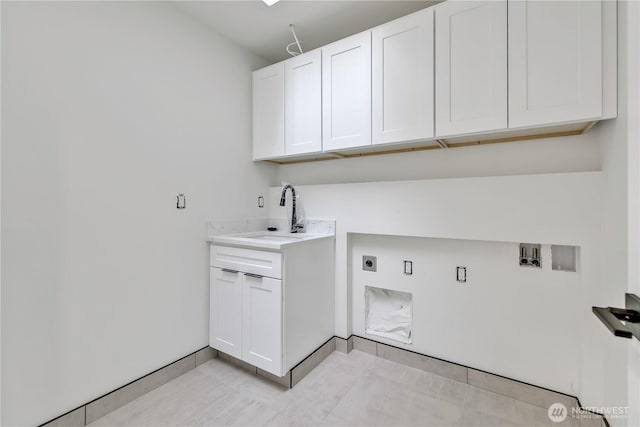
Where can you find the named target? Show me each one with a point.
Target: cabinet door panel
(225, 332)
(303, 120)
(471, 67)
(346, 93)
(262, 323)
(268, 112)
(402, 79)
(555, 61)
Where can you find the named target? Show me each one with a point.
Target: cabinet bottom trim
(441, 143)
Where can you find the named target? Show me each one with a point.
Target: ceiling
(264, 30)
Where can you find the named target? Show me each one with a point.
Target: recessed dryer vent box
(564, 258)
(388, 314)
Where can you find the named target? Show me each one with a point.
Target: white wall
(564, 154)
(545, 208)
(109, 110)
(0, 219)
(610, 364)
(632, 96)
(514, 321)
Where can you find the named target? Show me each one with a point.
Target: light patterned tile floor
(344, 390)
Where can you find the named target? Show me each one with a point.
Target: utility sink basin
(266, 239)
(275, 237)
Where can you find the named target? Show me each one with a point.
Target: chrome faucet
(294, 220)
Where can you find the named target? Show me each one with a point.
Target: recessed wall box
(530, 255)
(564, 258)
(388, 314)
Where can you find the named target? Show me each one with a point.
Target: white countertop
(270, 240)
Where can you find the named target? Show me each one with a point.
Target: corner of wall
(0, 214)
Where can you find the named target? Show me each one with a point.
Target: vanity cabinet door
(262, 323)
(471, 67)
(555, 62)
(225, 333)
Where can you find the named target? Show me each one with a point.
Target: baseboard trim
(344, 345)
(303, 368)
(101, 406)
(97, 408)
(296, 373)
(535, 395)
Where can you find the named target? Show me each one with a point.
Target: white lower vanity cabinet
(246, 309)
(272, 309)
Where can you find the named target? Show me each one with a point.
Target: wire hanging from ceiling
(296, 42)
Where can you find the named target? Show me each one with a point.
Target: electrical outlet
(181, 202)
(408, 267)
(369, 263)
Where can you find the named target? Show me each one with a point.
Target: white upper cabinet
(471, 67)
(268, 112)
(460, 71)
(402, 79)
(346, 93)
(303, 103)
(555, 62)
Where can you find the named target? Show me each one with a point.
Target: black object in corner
(613, 317)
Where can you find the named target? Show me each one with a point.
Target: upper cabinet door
(346, 93)
(471, 67)
(402, 79)
(555, 61)
(303, 119)
(268, 112)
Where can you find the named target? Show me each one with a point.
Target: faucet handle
(298, 226)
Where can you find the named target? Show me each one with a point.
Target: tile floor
(357, 389)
